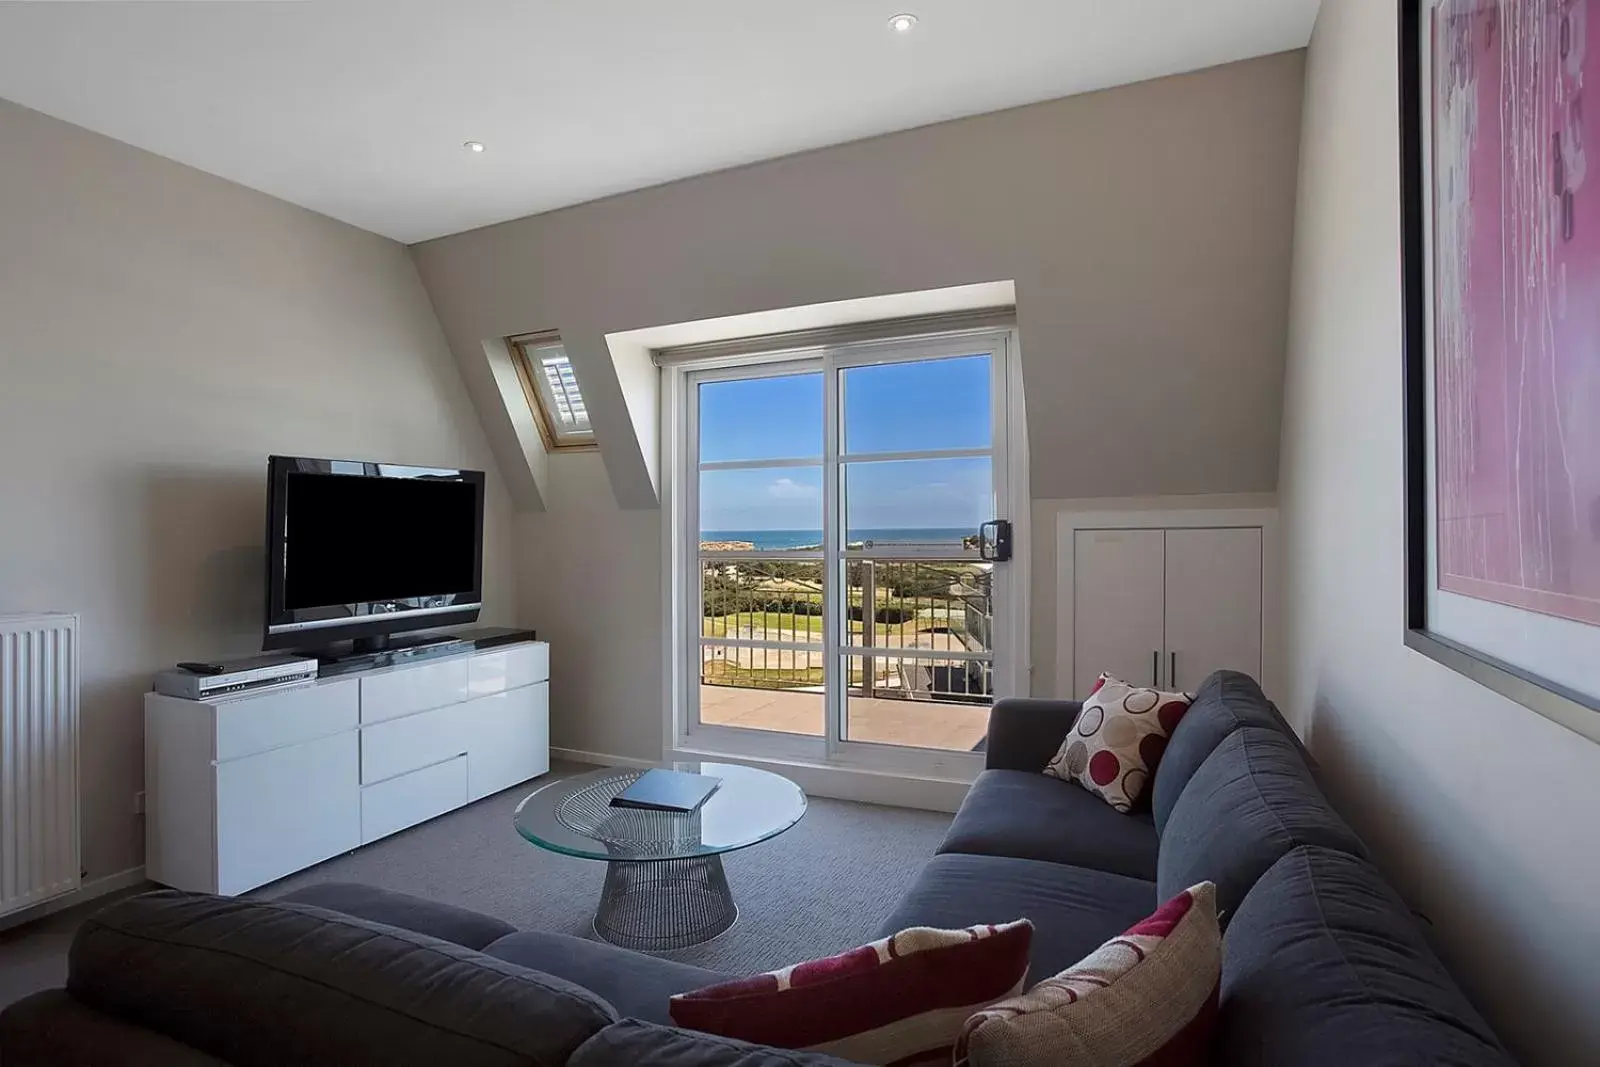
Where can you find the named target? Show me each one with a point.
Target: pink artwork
(1516, 307)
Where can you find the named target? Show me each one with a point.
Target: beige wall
(1148, 230)
(1482, 811)
(591, 585)
(161, 332)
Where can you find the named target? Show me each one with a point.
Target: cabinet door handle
(1155, 669)
(1172, 678)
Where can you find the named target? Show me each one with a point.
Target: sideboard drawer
(410, 689)
(264, 721)
(391, 806)
(411, 743)
(407, 690)
(510, 668)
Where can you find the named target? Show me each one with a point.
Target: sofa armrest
(1024, 733)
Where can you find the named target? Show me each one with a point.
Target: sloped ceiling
(1147, 230)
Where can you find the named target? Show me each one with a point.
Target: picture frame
(1500, 570)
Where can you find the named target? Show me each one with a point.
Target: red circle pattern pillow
(1117, 740)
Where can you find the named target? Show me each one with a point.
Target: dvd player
(201, 681)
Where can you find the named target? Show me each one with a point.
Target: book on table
(664, 790)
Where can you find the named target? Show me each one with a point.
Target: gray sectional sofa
(1323, 963)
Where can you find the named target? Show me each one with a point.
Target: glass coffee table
(665, 887)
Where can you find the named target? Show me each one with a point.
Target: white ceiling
(358, 108)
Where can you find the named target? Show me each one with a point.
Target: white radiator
(38, 759)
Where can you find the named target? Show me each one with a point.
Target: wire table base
(665, 887)
(664, 904)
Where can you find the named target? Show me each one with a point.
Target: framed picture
(1501, 227)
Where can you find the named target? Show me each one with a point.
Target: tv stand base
(372, 652)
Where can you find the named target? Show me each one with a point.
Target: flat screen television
(360, 551)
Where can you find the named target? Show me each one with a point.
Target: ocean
(775, 540)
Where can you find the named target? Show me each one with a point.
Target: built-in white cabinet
(1161, 605)
(1120, 597)
(1212, 616)
(245, 789)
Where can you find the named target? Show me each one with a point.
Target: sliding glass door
(759, 526)
(840, 596)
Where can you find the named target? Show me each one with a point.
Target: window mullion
(835, 597)
(760, 464)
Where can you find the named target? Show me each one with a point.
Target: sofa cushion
(642, 1044)
(1324, 967)
(1225, 702)
(635, 984)
(272, 983)
(444, 921)
(1034, 817)
(1249, 803)
(1073, 909)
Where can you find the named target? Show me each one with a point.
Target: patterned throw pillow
(1146, 998)
(902, 1000)
(1117, 740)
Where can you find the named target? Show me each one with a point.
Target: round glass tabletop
(574, 816)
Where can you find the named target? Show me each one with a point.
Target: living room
(1176, 249)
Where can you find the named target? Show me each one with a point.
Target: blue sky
(899, 407)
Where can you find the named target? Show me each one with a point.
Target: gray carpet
(821, 887)
(818, 888)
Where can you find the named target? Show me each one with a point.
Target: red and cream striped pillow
(902, 1000)
(1145, 999)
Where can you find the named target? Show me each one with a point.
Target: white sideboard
(243, 790)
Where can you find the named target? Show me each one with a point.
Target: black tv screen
(351, 539)
(361, 550)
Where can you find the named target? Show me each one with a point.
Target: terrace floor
(924, 724)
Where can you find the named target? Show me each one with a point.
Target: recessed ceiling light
(903, 23)
(473, 146)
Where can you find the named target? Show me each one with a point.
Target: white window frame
(685, 737)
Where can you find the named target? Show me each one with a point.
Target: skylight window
(553, 392)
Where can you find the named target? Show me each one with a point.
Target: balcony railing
(917, 629)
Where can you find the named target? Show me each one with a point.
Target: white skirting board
(86, 892)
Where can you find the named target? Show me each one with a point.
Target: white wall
(1482, 811)
(161, 332)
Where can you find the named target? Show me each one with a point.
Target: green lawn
(722, 625)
